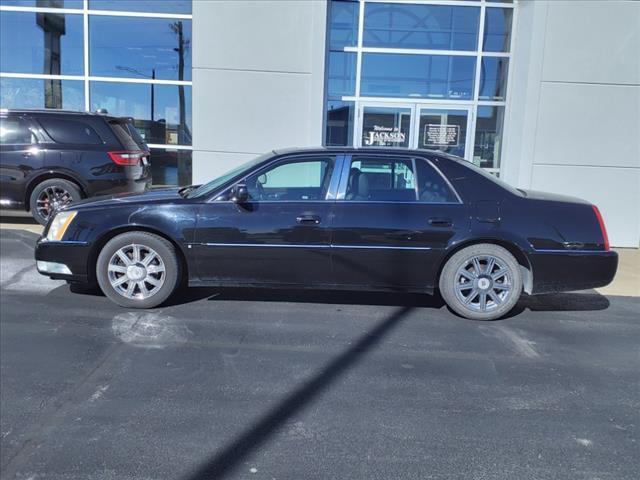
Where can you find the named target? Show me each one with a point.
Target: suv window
(70, 131)
(14, 131)
(300, 179)
(127, 134)
(381, 179)
(432, 188)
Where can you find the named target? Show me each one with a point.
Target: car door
(280, 235)
(394, 217)
(19, 156)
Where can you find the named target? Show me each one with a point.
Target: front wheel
(481, 282)
(138, 270)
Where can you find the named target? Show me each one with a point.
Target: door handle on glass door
(308, 219)
(440, 222)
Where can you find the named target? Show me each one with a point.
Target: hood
(152, 196)
(552, 197)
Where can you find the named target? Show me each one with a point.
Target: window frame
(346, 167)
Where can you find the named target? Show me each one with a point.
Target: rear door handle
(440, 222)
(308, 219)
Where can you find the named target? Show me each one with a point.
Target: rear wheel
(481, 282)
(138, 270)
(51, 194)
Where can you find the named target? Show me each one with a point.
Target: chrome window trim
(311, 245)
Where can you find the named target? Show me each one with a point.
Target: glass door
(444, 129)
(385, 126)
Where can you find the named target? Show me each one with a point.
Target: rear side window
(432, 187)
(70, 131)
(381, 180)
(127, 134)
(14, 131)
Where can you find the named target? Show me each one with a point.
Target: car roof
(347, 149)
(54, 112)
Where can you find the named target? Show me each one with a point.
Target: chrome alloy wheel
(52, 198)
(136, 271)
(483, 283)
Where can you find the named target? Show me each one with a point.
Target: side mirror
(239, 193)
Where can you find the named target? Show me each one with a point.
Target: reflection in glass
(140, 47)
(442, 27)
(31, 93)
(162, 113)
(159, 6)
(48, 43)
(170, 167)
(444, 130)
(339, 123)
(79, 4)
(386, 127)
(343, 29)
(420, 76)
(493, 78)
(497, 29)
(342, 74)
(488, 141)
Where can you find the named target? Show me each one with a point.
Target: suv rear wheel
(481, 282)
(52, 194)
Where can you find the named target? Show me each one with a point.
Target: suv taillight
(603, 229)
(129, 158)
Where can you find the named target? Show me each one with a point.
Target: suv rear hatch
(135, 151)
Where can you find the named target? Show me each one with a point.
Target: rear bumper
(72, 255)
(561, 271)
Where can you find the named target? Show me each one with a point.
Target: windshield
(207, 188)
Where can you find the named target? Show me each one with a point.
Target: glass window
(420, 76)
(161, 113)
(47, 43)
(441, 27)
(342, 74)
(380, 179)
(45, 3)
(497, 29)
(444, 130)
(170, 167)
(37, 93)
(14, 131)
(343, 29)
(159, 6)
(432, 188)
(339, 131)
(386, 126)
(493, 78)
(69, 131)
(488, 141)
(292, 180)
(140, 47)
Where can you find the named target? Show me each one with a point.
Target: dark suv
(49, 158)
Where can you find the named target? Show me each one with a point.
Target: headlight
(59, 225)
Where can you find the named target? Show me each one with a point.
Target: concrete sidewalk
(626, 283)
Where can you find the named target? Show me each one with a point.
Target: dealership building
(545, 94)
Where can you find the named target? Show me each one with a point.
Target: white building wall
(573, 124)
(258, 79)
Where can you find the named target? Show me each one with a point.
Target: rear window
(128, 135)
(70, 131)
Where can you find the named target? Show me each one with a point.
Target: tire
(145, 280)
(50, 194)
(500, 288)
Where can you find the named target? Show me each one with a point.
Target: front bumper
(561, 271)
(63, 257)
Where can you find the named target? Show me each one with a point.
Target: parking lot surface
(250, 384)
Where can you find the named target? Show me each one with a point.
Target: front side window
(14, 131)
(292, 180)
(379, 179)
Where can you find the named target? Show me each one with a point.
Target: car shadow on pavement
(229, 457)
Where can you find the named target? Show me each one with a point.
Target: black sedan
(399, 220)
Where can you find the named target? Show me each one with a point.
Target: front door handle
(440, 222)
(308, 219)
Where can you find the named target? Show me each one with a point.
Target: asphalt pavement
(254, 384)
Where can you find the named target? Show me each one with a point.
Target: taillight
(128, 158)
(603, 229)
